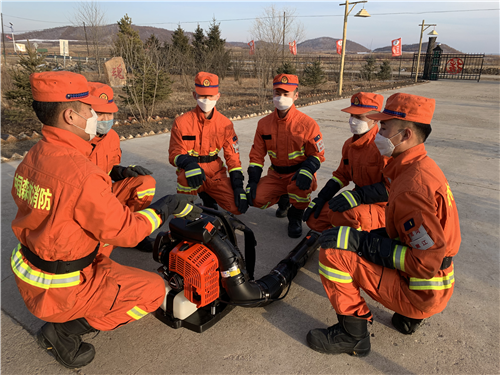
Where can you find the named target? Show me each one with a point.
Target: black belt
(288, 169)
(446, 262)
(59, 266)
(207, 158)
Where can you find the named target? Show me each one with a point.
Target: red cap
(105, 92)
(364, 102)
(62, 87)
(287, 82)
(408, 108)
(206, 84)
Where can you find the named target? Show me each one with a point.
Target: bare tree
(91, 17)
(272, 31)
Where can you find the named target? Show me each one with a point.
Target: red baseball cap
(62, 87)
(206, 83)
(105, 92)
(364, 102)
(408, 108)
(287, 82)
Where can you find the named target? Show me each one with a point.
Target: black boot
(283, 206)
(350, 335)
(404, 324)
(208, 201)
(65, 342)
(146, 245)
(295, 222)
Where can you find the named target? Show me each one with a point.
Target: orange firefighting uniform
(65, 208)
(195, 135)
(423, 215)
(361, 163)
(288, 141)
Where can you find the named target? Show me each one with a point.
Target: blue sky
(470, 31)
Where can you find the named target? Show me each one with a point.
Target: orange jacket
(361, 161)
(423, 214)
(288, 141)
(107, 152)
(196, 135)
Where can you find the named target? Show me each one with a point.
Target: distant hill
(414, 48)
(329, 44)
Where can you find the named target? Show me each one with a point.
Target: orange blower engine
(207, 276)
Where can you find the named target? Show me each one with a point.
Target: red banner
(293, 47)
(339, 47)
(8, 37)
(252, 47)
(397, 50)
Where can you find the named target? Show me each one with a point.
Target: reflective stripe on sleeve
(311, 205)
(338, 181)
(347, 195)
(187, 209)
(41, 279)
(271, 153)
(185, 189)
(306, 173)
(193, 172)
(296, 154)
(146, 193)
(436, 283)
(398, 257)
(235, 169)
(137, 313)
(300, 199)
(256, 165)
(343, 238)
(334, 275)
(152, 216)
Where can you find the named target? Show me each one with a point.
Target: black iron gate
(448, 66)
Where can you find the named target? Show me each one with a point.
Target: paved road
(271, 340)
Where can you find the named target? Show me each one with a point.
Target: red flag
(293, 47)
(339, 47)
(396, 47)
(8, 37)
(252, 47)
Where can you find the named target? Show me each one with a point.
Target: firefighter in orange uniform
(133, 185)
(364, 207)
(66, 207)
(406, 266)
(295, 147)
(195, 142)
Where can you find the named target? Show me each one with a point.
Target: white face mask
(91, 126)
(385, 145)
(282, 102)
(206, 105)
(358, 126)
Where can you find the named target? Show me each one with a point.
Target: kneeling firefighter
(202, 259)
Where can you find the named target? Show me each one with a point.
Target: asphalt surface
(464, 338)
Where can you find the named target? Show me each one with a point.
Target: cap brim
(106, 108)
(382, 117)
(356, 110)
(206, 91)
(285, 87)
(93, 100)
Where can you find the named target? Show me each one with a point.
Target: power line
(29, 19)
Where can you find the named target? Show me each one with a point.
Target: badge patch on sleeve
(409, 224)
(317, 138)
(236, 147)
(319, 143)
(420, 239)
(235, 138)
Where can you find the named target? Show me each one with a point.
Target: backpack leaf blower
(206, 275)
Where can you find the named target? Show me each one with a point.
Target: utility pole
(86, 40)
(284, 26)
(420, 46)
(3, 43)
(13, 37)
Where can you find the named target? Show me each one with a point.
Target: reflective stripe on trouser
(384, 285)
(136, 193)
(217, 185)
(272, 186)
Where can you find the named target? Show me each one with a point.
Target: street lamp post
(362, 13)
(420, 45)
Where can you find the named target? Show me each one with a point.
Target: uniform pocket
(105, 297)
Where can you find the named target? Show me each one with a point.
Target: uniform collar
(397, 165)
(66, 139)
(289, 114)
(364, 139)
(201, 115)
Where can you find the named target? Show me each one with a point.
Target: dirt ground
(237, 99)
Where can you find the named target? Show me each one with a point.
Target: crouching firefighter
(406, 266)
(66, 208)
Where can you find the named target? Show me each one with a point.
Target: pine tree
(313, 75)
(286, 68)
(128, 43)
(180, 41)
(368, 70)
(220, 59)
(21, 97)
(385, 72)
(199, 49)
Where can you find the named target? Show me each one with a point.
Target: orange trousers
(365, 217)
(274, 185)
(343, 273)
(136, 193)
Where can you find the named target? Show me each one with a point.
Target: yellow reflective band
(185, 189)
(137, 313)
(300, 199)
(343, 238)
(193, 153)
(175, 160)
(334, 275)
(152, 217)
(306, 173)
(256, 165)
(213, 153)
(271, 153)
(243, 196)
(311, 205)
(436, 283)
(38, 278)
(265, 206)
(193, 172)
(338, 181)
(144, 193)
(187, 209)
(349, 197)
(398, 257)
(131, 165)
(317, 158)
(296, 154)
(235, 169)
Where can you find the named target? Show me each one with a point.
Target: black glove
(371, 246)
(329, 190)
(345, 201)
(304, 175)
(194, 173)
(374, 193)
(240, 198)
(180, 205)
(119, 173)
(254, 173)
